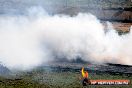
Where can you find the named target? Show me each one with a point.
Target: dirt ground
(122, 26)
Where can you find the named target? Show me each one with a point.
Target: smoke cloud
(35, 38)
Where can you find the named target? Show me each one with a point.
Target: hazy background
(35, 32)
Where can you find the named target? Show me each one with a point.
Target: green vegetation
(50, 79)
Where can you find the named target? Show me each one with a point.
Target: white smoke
(33, 39)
